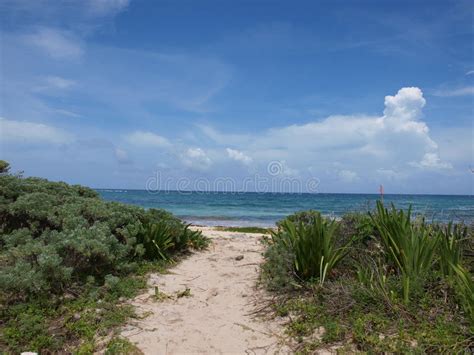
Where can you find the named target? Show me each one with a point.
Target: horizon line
(279, 192)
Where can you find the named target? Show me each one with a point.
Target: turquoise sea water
(264, 209)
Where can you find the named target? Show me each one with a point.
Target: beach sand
(220, 313)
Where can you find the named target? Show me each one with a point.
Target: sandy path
(218, 316)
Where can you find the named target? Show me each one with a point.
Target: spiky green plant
(464, 289)
(196, 239)
(156, 239)
(189, 238)
(450, 248)
(410, 247)
(312, 246)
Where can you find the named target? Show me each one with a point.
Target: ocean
(264, 209)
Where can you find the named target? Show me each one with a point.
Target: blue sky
(351, 94)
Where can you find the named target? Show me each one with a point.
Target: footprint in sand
(213, 292)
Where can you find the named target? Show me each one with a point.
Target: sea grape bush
(54, 235)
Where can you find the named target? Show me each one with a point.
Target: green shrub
(305, 217)
(53, 235)
(410, 247)
(356, 227)
(405, 286)
(313, 246)
(451, 247)
(277, 270)
(59, 240)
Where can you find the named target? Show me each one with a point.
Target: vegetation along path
(208, 303)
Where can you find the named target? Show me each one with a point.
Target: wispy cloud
(107, 7)
(54, 83)
(348, 176)
(122, 156)
(464, 91)
(67, 113)
(31, 132)
(56, 43)
(147, 139)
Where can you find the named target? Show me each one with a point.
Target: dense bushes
(412, 278)
(57, 239)
(53, 235)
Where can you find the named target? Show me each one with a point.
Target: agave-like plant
(196, 239)
(156, 239)
(465, 289)
(190, 238)
(450, 249)
(312, 245)
(411, 247)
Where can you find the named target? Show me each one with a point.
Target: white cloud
(389, 174)
(470, 72)
(121, 156)
(406, 105)
(56, 43)
(54, 85)
(30, 132)
(348, 175)
(196, 158)
(361, 143)
(432, 161)
(147, 139)
(237, 155)
(285, 169)
(59, 83)
(465, 91)
(67, 113)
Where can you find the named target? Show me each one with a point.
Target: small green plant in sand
(160, 296)
(185, 293)
(121, 346)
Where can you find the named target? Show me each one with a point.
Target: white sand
(219, 315)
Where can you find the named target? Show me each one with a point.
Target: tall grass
(464, 289)
(400, 273)
(450, 249)
(312, 246)
(410, 247)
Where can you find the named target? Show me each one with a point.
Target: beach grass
(402, 286)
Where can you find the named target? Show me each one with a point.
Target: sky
(306, 96)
